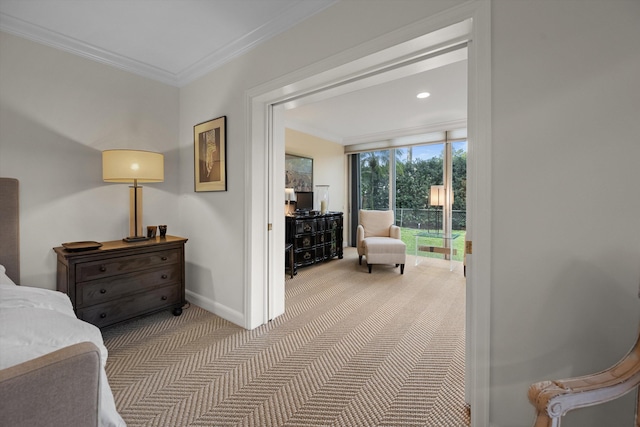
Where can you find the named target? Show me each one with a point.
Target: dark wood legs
(371, 265)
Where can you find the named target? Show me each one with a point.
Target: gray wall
(57, 113)
(566, 175)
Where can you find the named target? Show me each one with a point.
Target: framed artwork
(210, 155)
(298, 173)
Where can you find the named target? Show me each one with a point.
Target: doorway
(264, 200)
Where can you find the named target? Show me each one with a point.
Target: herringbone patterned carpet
(352, 349)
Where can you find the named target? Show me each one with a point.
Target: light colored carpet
(352, 349)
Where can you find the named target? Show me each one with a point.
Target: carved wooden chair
(553, 399)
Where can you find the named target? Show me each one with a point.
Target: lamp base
(135, 239)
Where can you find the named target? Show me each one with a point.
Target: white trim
(351, 144)
(216, 308)
(289, 17)
(46, 37)
(362, 61)
(276, 290)
(300, 127)
(479, 193)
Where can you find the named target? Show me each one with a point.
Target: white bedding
(34, 322)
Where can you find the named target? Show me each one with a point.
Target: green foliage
(414, 178)
(459, 179)
(374, 180)
(408, 236)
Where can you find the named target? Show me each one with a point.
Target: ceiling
(390, 109)
(178, 41)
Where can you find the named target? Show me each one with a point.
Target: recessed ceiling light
(423, 95)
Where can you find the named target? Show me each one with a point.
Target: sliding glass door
(426, 187)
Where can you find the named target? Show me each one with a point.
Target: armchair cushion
(376, 223)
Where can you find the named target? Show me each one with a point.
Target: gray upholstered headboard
(10, 227)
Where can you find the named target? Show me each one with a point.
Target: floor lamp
(133, 166)
(436, 198)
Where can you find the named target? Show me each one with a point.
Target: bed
(51, 363)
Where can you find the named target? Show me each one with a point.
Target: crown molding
(310, 130)
(37, 34)
(291, 17)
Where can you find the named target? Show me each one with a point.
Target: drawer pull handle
(103, 315)
(164, 297)
(164, 276)
(103, 268)
(164, 258)
(103, 291)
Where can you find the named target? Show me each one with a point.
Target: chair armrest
(360, 239)
(65, 384)
(394, 232)
(553, 399)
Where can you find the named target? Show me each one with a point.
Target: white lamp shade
(436, 195)
(290, 195)
(131, 165)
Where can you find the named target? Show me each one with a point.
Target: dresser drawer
(109, 288)
(112, 266)
(305, 256)
(306, 226)
(306, 241)
(122, 309)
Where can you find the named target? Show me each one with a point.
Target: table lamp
(133, 166)
(289, 196)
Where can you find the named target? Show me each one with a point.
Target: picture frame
(298, 173)
(210, 155)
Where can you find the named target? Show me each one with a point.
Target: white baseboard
(216, 308)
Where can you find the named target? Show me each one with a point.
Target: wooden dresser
(121, 281)
(315, 238)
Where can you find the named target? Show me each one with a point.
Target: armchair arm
(394, 232)
(553, 399)
(360, 239)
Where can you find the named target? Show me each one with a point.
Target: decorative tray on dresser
(120, 281)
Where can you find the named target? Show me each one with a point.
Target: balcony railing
(429, 219)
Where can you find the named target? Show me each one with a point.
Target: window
(401, 179)
(374, 180)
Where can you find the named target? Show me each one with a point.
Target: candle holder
(322, 198)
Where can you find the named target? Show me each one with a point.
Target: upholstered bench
(384, 250)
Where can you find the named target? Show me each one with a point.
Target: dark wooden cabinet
(315, 238)
(120, 281)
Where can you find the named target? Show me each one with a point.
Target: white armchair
(378, 239)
